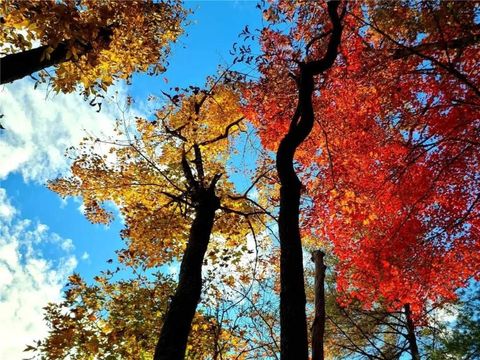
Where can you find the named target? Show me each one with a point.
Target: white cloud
(65, 244)
(7, 211)
(39, 128)
(173, 269)
(81, 207)
(252, 253)
(447, 314)
(28, 281)
(85, 256)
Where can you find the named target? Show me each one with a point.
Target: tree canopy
(89, 43)
(369, 113)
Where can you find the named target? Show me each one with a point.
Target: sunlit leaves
(120, 319)
(106, 40)
(145, 179)
(391, 166)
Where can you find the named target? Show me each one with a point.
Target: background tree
(90, 43)
(349, 332)
(166, 179)
(458, 333)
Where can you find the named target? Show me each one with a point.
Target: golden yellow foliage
(121, 320)
(146, 180)
(106, 39)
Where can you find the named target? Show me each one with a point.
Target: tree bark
(16, 66)
(411, 337)
(318, 327)
(294, 336)
(176, 327)
(294, 344)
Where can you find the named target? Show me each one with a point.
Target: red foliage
(392, 165)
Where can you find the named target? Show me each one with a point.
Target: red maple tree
(390, 168)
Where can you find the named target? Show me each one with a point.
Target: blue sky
(42, 237)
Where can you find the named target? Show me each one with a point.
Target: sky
(44, 238)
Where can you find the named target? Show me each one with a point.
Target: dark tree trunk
(318, 327)
(294, 337)
(176, 327)
(16, 66)
(19, 65)
(293, 322)
(411, 337)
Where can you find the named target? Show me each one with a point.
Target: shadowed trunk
(16, 66)
(19, 65)
(293, 322)
(318, 327)
(411, 337)
(294, 336)
(176, 327)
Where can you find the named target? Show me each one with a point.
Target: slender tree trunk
(293, 323)
(176, 327)
(318, 327)
(411, 337)
(294, 344)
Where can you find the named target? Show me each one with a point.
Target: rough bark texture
(294, 338)
(411, 337)
(176, 327)
(318, 327)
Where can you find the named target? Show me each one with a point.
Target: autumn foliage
(372, 111)
(391, 167)
(142, 173)
(113, 319)
(90, 43)
(167, 178)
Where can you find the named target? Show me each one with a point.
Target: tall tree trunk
(176, 327)
(318, 327)
(294, 337)
(411, 337)
(294, 344)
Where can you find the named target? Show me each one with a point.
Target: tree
(281, 52)
(167, 182)
(394, 143)
(398, 232)
(90, 43)
(348, 332)
(318, 325)
(459, 338)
